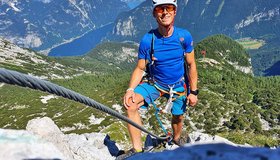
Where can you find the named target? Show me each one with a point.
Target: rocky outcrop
(42, 139)
(21, 144)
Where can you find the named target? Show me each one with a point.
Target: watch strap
(195, 92)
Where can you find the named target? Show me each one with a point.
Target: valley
(232, 103)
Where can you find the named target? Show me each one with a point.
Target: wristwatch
(195, 92)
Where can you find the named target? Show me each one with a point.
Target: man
(169, 45)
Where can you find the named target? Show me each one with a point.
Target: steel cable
(16, 78)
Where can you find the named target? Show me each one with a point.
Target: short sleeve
(188, 42)
(144, 47)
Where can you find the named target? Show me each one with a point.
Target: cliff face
(42, 24)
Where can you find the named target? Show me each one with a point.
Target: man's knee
(177, 118)
(134, 105)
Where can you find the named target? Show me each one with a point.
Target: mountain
(74, 27)
(83, 44)
(30, 62)
(117, 55)
(133, 3)
(203, 18)
(274, 70)
(92, 75)
(238, 19)
(237, 105)
(43, 24)
(255, 19)
(236, 90)
(265, 59)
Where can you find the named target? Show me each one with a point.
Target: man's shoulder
(182, 31)
(147, 39)
(148, 35)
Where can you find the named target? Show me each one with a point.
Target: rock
(88, 146)
(73, 146)
(200, 138)
(48, 130)
(44, 140)
(21, 144)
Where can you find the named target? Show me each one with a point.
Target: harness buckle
(169, 103)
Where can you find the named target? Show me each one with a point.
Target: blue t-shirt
(168, 65)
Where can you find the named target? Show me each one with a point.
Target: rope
(16, 78)
(157, 110)
(158, 119)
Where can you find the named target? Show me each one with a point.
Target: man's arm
(137, 74)
(135, 79)
(192, 75)
(192, 72)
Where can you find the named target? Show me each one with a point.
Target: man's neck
(166, 31)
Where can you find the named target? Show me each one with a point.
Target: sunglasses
(160, 9)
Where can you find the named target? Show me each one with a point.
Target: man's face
(165, 14)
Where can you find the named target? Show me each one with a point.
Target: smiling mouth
(165, 18)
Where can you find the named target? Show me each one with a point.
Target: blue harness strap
(186, 69)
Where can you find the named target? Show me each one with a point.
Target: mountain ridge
(208, 18)
(74, 27)
(54, 22)
(232, 101)
(236, 19)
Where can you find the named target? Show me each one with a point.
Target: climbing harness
(148, 77)
(169, 104)
(167, 108)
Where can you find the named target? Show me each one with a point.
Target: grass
(113, 130)
(251, 138)
(249, 43)
(224, 95)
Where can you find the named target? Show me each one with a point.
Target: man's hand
(192, 99)
(128, 95)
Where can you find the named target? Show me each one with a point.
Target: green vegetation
(249, 43)
(232, 104)
(250, 138)
(18, 105)
(232, 101)
(222, 48)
